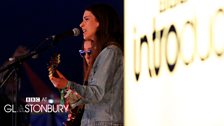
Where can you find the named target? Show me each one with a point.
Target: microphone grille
(76, 31)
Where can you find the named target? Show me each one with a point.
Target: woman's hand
(59, 82)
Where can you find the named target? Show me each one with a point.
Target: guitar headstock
(53, 64)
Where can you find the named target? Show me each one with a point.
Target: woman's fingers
(58, 82)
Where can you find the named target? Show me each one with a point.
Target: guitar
(67, 95)
(74, 113)
(53, 64)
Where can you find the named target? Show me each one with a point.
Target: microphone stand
(20, 59)
(14, 68)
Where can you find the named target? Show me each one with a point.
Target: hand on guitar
(70, 97)
(56, 77)
(59, 82)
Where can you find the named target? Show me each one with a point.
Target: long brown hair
(109, 29)
(108, 33)
(87, 68)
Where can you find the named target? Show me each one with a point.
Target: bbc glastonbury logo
(36, 105)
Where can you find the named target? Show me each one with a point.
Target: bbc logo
(32, 99)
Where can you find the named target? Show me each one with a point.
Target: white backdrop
(187, 34)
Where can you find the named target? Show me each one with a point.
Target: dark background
(29, 22)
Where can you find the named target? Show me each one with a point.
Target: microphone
(55, 38)
(58, 37)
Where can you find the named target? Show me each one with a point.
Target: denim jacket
(103, 96)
